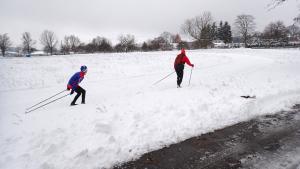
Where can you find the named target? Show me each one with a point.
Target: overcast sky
(145, 19)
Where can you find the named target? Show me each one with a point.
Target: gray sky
(145, 19)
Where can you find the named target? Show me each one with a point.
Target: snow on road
(125, 115)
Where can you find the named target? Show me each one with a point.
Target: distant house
(12, 54)
(39, 53)
(219, 44)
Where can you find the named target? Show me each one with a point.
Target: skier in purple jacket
(73, 85)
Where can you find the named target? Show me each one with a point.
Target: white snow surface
(125, 115)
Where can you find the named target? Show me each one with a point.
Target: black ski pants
(179, 71)
(79, 91)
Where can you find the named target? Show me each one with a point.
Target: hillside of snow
(125, 115)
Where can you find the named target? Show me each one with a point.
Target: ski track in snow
(126, 115)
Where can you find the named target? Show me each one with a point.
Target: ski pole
(163, 78)
(46, 103)
(191, 75)
(46, 99)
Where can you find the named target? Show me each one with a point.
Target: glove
(72, 91)
(69, 87)
(192, 65)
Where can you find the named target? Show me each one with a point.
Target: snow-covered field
(125, 115)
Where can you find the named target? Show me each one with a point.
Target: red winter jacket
(182, 59)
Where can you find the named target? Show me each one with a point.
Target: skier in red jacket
(180, 60)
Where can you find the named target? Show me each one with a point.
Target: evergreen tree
(145, 47)
(206, 38)
(214, 31)
(227, 35)
(224, 32)
(220, 31)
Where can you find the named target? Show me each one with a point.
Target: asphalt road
(271, 141)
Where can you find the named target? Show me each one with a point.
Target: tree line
(72, 43)
(202, 29)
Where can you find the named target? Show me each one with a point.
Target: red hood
(183, 51)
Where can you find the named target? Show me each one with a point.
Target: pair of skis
(39, 105)
(170, 75)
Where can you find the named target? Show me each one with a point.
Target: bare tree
(276, 31)
(5, 43)
(71, 44)
(194, 26)
(156, 43)
(27, 43)
(199, 27)
(245, 26)
(169, 37)
(74, 43)
(101, 44)
(126, 44)
(65, 45)
(160, 43)
(49, 41)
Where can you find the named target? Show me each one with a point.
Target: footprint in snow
(18, 118)
(83, 153)
(103, 128)
(101, 109)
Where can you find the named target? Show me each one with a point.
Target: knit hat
(83, 68)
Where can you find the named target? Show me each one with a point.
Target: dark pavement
(244, 145)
